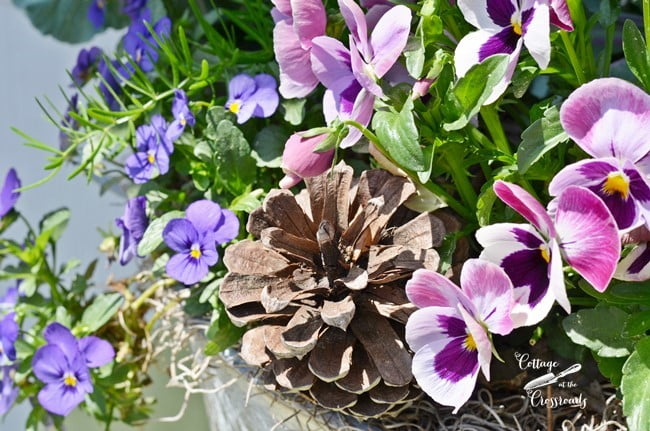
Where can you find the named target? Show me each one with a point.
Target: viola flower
(297, 22)
(8, 196)
(96, 13)
(161, 127)
(583, 232)
(8, 389)
(299, 160)
(134, 8)
(140, 43)
(450, 333)
(610, 120)
(63, 365)
(9, 300)
(252, 97)
(182, 116)
(351, 75)
(133, 223)
(87, 59)
(8, 337)
(194, 239)
(151, 158)
(503, 27)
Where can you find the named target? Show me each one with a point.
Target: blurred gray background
(33, 66)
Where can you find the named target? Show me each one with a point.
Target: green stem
(573, 57)
(151, 291)
(461, 181)
(646, 25)
(493, 123)
(607, 52)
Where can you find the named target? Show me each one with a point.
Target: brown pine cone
(324, 285)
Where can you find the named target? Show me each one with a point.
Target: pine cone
(325, 286)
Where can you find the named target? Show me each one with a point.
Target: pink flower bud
(300, 161)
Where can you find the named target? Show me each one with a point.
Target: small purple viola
(503, 27)
(351, 75)
(151, 157)
(194, 239)
(9, 300)
(8, 195)
(87, 59)
(161, 127)
(450, 333)
(8, 389)
(297, 22)
(610, 120)
(133, 223)
(583, 232)
(96, 13)
(182, 116)
(8, 337)
(134, 8)
(63, 365)
(140, 43)
(252, 96)
(299, 160)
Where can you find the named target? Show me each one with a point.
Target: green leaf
(539, 138)
(100, 311)
(211, 289)
(153, 235)
(472, 90)
(53, 224)
(486, 200)
(294, 111)
(637, 324)
(600, 330)
(635, 387)
(247, 202)
(269, 145)
(643, 348)
(635, 51)
(621, 293)
(399, 136)
(612, 368)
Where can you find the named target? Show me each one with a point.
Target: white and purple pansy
(450, 333)
(504, 26)
(610, 120)
(582, 232)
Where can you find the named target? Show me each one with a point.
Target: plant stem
(493, 123)
(646, 25)
(461, 181)
(151, 291)
(607, 51)
(571, 52)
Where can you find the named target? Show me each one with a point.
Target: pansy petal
(186, 269)
(356, 22)
(59, 335)
(389, 37)
(509, 232)
(96, 352)
(300, 161)
(241, 86)
(60, 399)
(267, 101)
(537, 35)
(309, 20)
(361, 113)
(593, 116)
(526, 205)
(49, 363)
(487, 14)
(359, 69)
(138, 168)
(330, 61)
(556, 278)
(482, 344)
(429, 366)
(489, 289)
(162, 160)
(588, 236)
(636, 265)
(560, 16)
(8, 195)
(205, 215)
(467, 51)
(296, 76)
(426, 325)
(180, 234)
(584, 173)
(429, 289)
(228, 227)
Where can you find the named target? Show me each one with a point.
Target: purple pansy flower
(8, 389)
(151, 158)
(133, 224)
(161, 127)
(299, 160)
(450, 333)
(503, 27)
(63, 365)
(134, 8)
(351, 75)
(8, 337)
(8, 196)
(182, 116)
(9, 300)
(583, 232)
(140, 43)
(297, 22)
(96, 13)
(194, 239)
(252, 96)
(610, 120)
(87, 59)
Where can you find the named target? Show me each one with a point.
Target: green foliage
(540, 138)
(635, 386)
(636, 53)
(599, 329)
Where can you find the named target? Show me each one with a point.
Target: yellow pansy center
(469, 343)
(234, 107)
(617, 182)
(183, 121)
(151, 158)
(516, 26)
(195, 253)
(70, 380)
(543, 249)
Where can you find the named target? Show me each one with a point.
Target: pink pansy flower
(610, 120)
(450, 333)
(582, 232)
(297, 22)
(351, 75)
(300, 161)
(504, 26)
